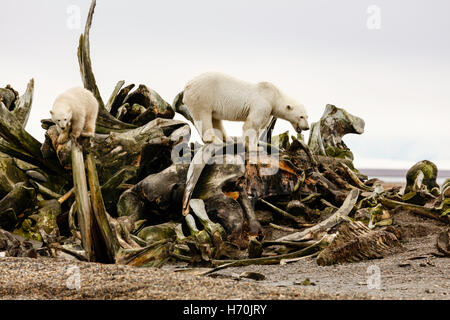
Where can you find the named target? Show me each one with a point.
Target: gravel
(24, 278)
(414, 273)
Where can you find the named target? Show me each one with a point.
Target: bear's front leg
(89, 128)
(255, 122)
(77, 128)
(251, 135)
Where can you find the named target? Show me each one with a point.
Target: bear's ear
(51, 112)
(289, 107)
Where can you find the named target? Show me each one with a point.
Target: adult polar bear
(213, 97)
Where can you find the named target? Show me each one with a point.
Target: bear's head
(294, 112)
(61, 118)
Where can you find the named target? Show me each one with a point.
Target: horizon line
(396, 172)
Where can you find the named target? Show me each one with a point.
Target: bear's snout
(302, 126)
(301, 129)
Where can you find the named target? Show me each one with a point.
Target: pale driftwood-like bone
(198, 163)
(84, 209)
(198, 208)
(222, 264)
(84, 58)
(99, 210)
(336, 218)
(23, 104)
(105, 121)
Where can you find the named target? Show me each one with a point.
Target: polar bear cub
(76, 111)
(213, 97)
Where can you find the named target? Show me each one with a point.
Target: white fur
(213, 97)
(75, 109)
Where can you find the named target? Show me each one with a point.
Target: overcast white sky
(397, 78)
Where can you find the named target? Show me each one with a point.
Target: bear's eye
(289, 107)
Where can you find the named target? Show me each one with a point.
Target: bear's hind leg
(251, 135)
(256, 121)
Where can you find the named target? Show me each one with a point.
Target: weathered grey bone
(47, 224)
(17, 246)
(153, 106)
(114, 94)
(181, 108)
(443, 242)
(23, 104)
(121, 149)
(422, 173)
(8, 97)
(20, 144)
(326, 135)
(22, 197)
(355, 242)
